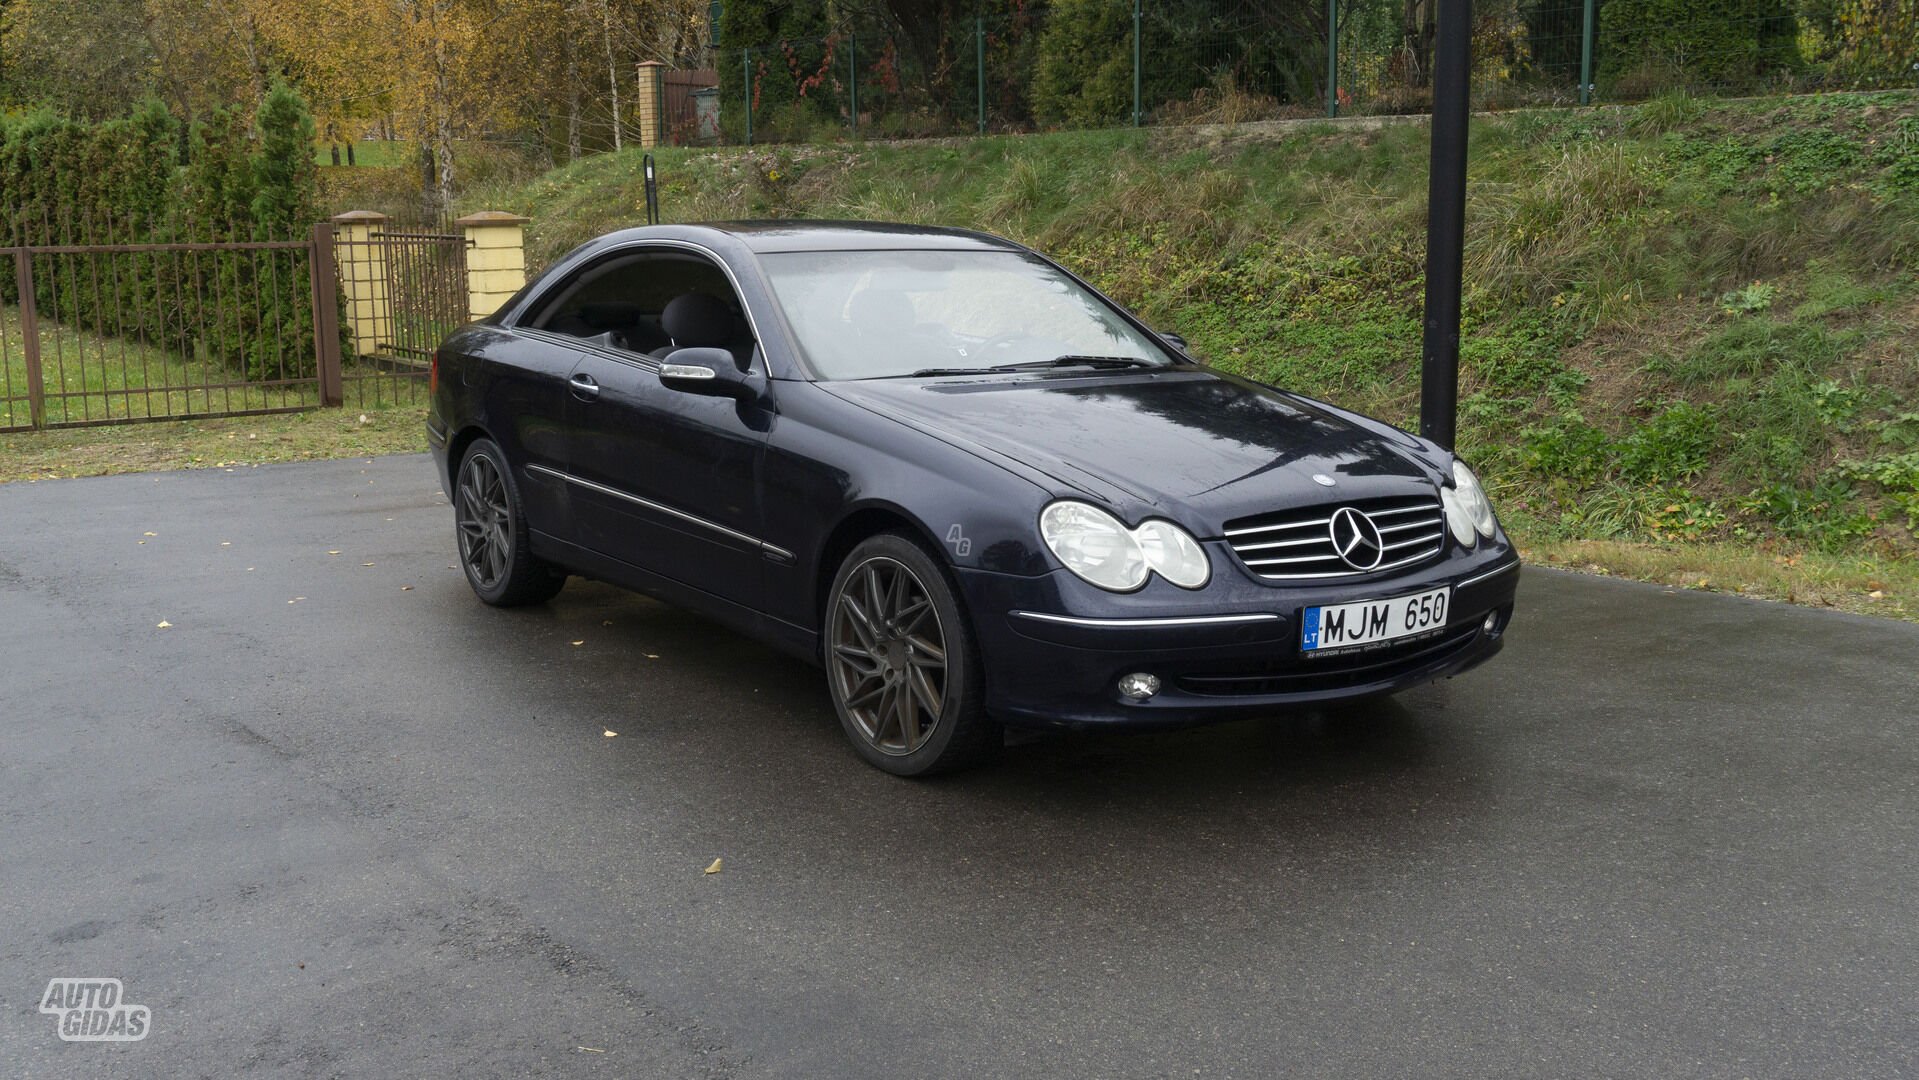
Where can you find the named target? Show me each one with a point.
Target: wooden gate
(681, 120)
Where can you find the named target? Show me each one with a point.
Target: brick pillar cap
(651, 63)
(359, 217)
(491, 217)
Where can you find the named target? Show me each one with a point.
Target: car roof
(764, 237)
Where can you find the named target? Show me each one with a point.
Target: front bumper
(1054, 647)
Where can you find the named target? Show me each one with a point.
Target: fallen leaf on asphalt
(162, 625)
(589, 1049)
(715, 868)
(609, 733)
(226, 543)
(140, 541)
(366, 564)
(652, 656)
(149, 534)
(582, 641)
(332, 553)
(406, 588)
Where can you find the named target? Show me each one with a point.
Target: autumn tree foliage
(555, 77)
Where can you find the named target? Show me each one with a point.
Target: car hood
(1194, 445)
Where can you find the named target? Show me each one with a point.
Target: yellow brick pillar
(361, 255)
(652, 103)
(495, 260)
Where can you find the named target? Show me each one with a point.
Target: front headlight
(1472, 499)
(1173, 553)
(1093, 544)
(1458, 518)
(1101, 549)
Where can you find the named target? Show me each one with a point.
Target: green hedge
(1723, 45)
(145, 179)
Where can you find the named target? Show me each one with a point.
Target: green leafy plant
(1676, 444)
(1754, 297)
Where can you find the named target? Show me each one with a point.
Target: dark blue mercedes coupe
(972, 488)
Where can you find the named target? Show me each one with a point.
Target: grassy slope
(215, 443)
(1690, 326)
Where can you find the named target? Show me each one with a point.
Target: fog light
(1491, 623)
(1139, 686)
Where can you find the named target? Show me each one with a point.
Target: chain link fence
(1106, 63)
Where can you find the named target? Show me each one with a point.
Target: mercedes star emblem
(1356, 539)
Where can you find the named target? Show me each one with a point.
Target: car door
(665, 480)
(523, 386)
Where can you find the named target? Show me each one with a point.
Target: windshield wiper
(1035, 365)
(1077, 361)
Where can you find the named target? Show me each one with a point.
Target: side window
(650, 302)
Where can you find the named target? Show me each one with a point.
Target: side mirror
(1175, 341)
(708, 372)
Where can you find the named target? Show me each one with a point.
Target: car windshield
(886, 314)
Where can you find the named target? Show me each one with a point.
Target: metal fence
(1101, 63)
(419, 299)
(99, 327)
(104, 323)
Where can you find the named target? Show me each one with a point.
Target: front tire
(491, 525)
(901, 664)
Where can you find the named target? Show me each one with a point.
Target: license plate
(1371, 622)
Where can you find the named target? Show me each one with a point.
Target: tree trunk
(443, 146)
(442, 134)
(612, 73)
(1418, 31)
(572, 100)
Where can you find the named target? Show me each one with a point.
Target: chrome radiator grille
(1292, 545)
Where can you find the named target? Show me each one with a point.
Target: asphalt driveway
(338, 818)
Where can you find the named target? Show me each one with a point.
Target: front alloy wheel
(900, 662)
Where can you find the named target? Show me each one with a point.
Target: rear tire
(901, 664)
(490, 526)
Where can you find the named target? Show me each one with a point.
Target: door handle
(584, 387)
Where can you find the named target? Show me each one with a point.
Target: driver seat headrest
(700, 320)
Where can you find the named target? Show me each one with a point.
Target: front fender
(835, 472)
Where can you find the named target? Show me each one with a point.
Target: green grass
(1707, 306)
(223, 443)
(89, 377)
(372, 153)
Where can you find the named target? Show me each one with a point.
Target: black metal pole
(1446, 222)
(652, 192)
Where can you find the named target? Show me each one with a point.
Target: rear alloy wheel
(901, 664)
(492, 533)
